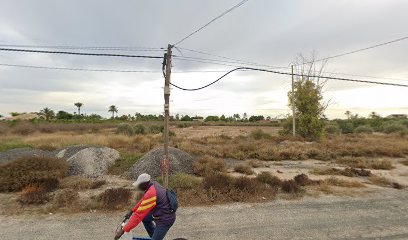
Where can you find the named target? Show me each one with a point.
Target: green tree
(79, 105)
(47, 113)
(307, 99)
(63, 115)
(113, 109)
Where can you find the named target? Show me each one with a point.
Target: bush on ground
(139, 129)
(155, 129)
(126, 129)
(290, 186)
(268, 178)
(303, 180)
(33, 194)
(332, 128)
(208, 165)
(244, 169)
(255, 163)
(66, 197)
(343, 183)
(348, 172)
(26, 171)
(383, 164)
(405, 162)
(182, 181)
(364, 129)
(259, 134)
(395, 128)
(115, 198)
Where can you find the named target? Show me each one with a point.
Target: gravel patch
(150, 163)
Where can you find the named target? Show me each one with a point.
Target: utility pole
(166, 160)
(293, 105)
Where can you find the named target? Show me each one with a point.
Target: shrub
(245, 169)
(183, 181)
(343, 183)
(383, 164)
(125, 128)
(290, 186)
(184, 125)
(248, 185)
(268, 178)
(218, 181)
(66, 197)
(115, 198)
(139, 129)
(395, 128)
(349, 172)
(405, 162)
(26, 171)
(259, 134)
(332, 128)
(33, 194)
(155, 129)
(208, 165)
(364, 129)
(23, 128)
(303, 180)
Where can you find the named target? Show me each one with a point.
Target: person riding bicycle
(153, 210)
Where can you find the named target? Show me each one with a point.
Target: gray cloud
(268, 32)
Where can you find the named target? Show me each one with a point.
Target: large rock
(88, 160)
(150, 163)
(17, 153)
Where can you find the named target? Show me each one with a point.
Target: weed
(26, 171)
(383, 164)
(115, 198)
(258, 134)
(66, 197)
(303, 180)
(255, 163)
(245, 169)
(208, 165)
(268, 178)
(290, 186)
(182, 181)
(343, 183)
(33, 194)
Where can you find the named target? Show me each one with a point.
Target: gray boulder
(88, 160)
(17, 153)
(150, 163)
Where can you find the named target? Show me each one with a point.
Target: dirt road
(377, 217)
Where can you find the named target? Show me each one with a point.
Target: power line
(79, 53)
(102, 70)
(228, 58)
(359, 50)
(290, 74)
(213, 20)
(83, 47)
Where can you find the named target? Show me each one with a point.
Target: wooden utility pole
(293, 105)
(166, 162)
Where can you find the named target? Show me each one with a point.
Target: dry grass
(348, 172)
(383, 164)
(81, 183)
(115, 198)
(255, 163)
(208, 165)
(34, 194)
(66, 197)
(405, 162)
(291, 186)
(244, 169)
(27, 171)
(343, 183)
(268, 178)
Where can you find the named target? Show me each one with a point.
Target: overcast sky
(262, 31)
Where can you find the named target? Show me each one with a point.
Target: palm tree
(113, 109)
(47, 113)
(79, 105)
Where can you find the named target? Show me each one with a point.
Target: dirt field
(231, 131)
(372, 217)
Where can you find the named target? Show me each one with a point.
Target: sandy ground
(375, 217)
(232, 131)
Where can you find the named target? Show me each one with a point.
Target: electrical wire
(103, 70)
(290, 74)
(213, 20)
(233, 59)
(79, 53)
(82, 47)
(358, 50)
